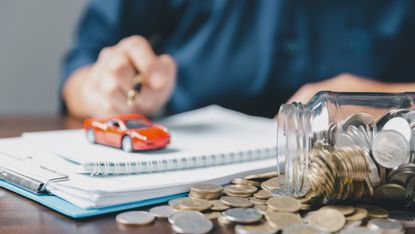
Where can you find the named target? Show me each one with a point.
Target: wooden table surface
(21, 215)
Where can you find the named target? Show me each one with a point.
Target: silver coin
(383, 119)
(135, 218)
(360, 230)
(343, 140)
(191, 222)
(161, 211)
(390, 149)
(357, 120)
(401, 125)
(410, 117)
(385, 225)
(180, 214)
(303, 228)
(242, 215)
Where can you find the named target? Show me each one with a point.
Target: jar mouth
(294, 146)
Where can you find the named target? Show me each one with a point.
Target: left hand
(345, 83)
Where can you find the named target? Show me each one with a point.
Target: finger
(121, 69)
(163, 74)
(139, 51)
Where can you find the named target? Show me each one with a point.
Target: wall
(33, 38)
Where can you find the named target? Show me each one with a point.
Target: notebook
(206, 137)
(97, 192)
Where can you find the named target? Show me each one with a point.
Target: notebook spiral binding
(149, 166)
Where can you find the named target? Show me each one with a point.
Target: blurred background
(34, 35)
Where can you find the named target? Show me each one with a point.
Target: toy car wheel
(127, 144)
(90, 134)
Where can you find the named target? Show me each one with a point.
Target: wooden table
(21, 215)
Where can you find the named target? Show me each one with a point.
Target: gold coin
(257, 228)
(174, 203)
(240, 189)
(245, 182)
(258, 201)
(224, 221)
(194, 204)
(266, 175)
(263, 194)
(261, 208)
(212, 215)
(206, 188)
(218, 205)
(279, 220)
(237, 202)
(283, 203)
(375, 211)
(329, 220)
(358, 215)
(272, 183)
(345, 210)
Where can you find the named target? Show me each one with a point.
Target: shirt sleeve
(104, 23)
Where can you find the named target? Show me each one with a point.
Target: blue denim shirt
(252, 55)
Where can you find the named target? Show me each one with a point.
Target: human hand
(101, 89)
(341, 83)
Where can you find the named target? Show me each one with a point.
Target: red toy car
(129, 132)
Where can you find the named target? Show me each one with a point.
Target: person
(246, 55)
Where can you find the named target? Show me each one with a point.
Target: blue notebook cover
(68, 209)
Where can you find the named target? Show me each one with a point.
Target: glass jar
(348, 146)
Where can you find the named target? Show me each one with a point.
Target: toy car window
(134, 124)
(114, 123)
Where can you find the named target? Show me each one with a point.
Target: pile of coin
(362, 157)
(269, 208)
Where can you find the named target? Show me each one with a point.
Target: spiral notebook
(206, 137)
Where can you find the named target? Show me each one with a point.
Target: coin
(194, 204)
(237, 202)
(217, 205)
(329, 220)
(257, 201)
(206, 188)
(242, 215)
(191, 223)
(265, 175)
(360, 230)
(272, 183)
(285, 204)
(374, 211)
(223, 221)
(240, 189)
(386, 226)
(179, 214)
(138, 218)
(174, 203)
(399, 124)
(212, 215)
(302, 228)
(358, 215)
(161, 211)
(279, 220)
(262, 228)
(263, 194)
(390, 149)
(345, 210)
(390, 191)
(261, 208)
(245, 182)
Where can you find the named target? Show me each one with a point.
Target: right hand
(101, 89)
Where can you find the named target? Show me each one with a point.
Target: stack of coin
(239, 190)
(206, 191)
